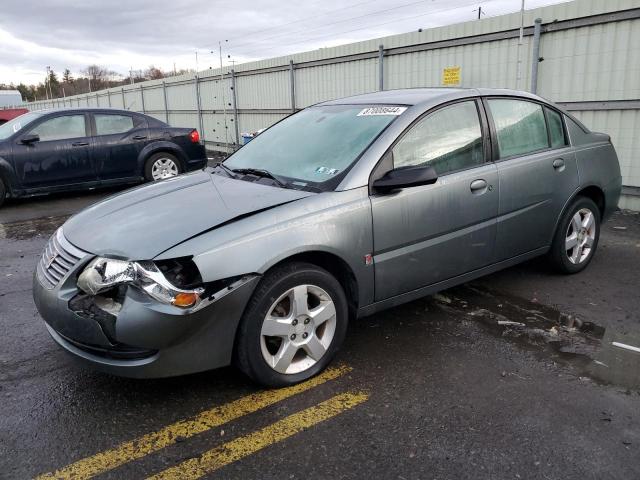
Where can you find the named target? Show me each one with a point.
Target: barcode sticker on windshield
(381, 111)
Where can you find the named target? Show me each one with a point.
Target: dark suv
(54, 150)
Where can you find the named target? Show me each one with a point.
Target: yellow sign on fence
(451, 76)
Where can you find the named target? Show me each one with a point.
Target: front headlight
(104, 273)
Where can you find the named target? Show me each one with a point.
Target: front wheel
(293, 325)
(3, 192)
(576, 238)
(161, 166)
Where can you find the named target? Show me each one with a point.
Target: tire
(298, 332)
(579, 228)
(163, 162)
(3, 192)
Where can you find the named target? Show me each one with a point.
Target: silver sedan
(336, 212)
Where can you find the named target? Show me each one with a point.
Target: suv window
(556, 130)
(520, 126)
(107, 124)
(448, 139)
(61, 128)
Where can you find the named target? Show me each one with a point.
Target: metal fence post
(142, 98)
(199, 106)
(235, 106)
(535, 57)
(166, 108)
(292, 83)
(381, 67)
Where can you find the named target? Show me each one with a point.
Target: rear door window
(520, 126)
(109, 124)
(61, 128)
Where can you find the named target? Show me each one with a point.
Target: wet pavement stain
(28, 229)
(603, 354)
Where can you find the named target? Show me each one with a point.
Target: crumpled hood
(141, 223)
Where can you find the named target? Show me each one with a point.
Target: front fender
(338, 223)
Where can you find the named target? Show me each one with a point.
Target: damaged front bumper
(130, 334)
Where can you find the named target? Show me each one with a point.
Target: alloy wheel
(164, 168)
(580, 237)
(298, 329)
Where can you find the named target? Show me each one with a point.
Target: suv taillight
(194, 136)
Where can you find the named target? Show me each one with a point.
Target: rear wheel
(3, 192)
(576, 238)
(293, 325)
(161, 166)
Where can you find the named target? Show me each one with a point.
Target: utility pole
(480, 12)
(197, 69)
(46, 84)
(519, 64)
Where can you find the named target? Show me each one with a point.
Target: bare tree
(154, 73)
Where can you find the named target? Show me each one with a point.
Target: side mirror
(404, 177)
(30, 138)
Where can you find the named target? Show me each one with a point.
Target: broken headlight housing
(102, 274)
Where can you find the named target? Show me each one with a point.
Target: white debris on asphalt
(510, 322)
(625, 346)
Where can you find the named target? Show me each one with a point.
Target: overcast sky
(120, 34)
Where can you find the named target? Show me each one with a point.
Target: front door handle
(478, 186)
(79, 144)
(139, 137)
(558, 164)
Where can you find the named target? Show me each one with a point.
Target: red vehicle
(7, 114)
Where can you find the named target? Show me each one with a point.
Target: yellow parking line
(243, 446)
(214, 417)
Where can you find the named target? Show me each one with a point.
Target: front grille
(58, 258)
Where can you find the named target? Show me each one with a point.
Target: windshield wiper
(226, 169)
(261, 173)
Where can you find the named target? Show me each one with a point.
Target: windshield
(317, 145)
(18, 123)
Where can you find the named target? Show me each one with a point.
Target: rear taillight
(194, 136)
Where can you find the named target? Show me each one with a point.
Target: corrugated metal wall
(591, 65)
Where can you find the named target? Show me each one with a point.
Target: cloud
(120, 34)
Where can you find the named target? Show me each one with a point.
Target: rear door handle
(558, 164)
(478, 186)
(79, 144)
(139, 137)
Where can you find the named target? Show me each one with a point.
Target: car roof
(423, 96)
(86, 109)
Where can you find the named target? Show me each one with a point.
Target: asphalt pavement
(512, 376)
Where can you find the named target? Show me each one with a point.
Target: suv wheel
(293, 325)
(576, 238)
